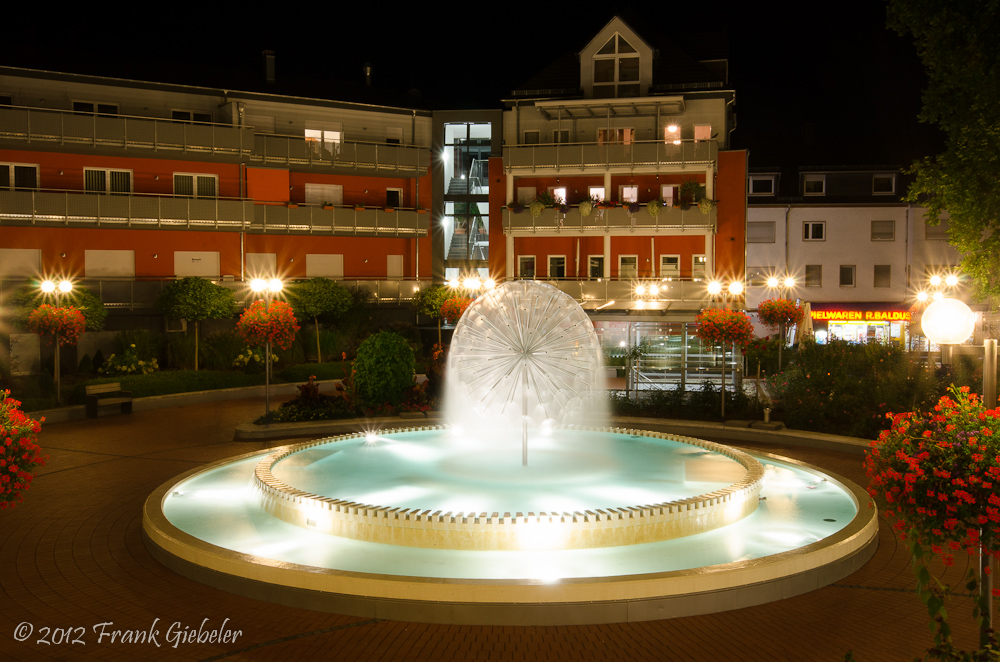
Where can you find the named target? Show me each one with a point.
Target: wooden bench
(99, 395)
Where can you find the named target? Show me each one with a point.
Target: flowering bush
(452, 309)
(936, 474)
(66, 322)
(268, 321)
(128, 363)
(20, 455)
(722, 325)
(775, 312)
(251, 360)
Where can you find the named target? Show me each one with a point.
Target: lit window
(760, 232)
(670, 266)
(699, 266)
(630, 194)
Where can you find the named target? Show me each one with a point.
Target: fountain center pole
(524, 415)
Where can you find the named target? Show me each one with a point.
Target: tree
(195, 299)
(319, 297)
(429, 300)
(383, 370)
(724, 327)
(957, 43)
(27, 298)
(778, 314)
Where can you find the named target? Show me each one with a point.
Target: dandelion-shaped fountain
(452, 524)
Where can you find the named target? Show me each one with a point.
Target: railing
(479, 177)
(129, 294)
(616, 218)
(294, 150)
(127, 132)
(621, 290)
(76, 208)
(579, 155)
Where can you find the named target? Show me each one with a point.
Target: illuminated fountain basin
(583, 525)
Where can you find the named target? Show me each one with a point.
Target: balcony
(382, 158)
(616, 220)
(652, 155)
(675, 294)
(40, 125)
(79, 209)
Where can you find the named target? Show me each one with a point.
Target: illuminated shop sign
(862, 315)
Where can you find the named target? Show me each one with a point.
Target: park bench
(99, 395)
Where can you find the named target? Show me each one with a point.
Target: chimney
(269, 66)
(368, 74)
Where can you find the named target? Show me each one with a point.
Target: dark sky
(811, 84)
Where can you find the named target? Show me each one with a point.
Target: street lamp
(58, 291)
(950, 322)
(267, 288)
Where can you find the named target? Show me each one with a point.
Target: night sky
(821, 85)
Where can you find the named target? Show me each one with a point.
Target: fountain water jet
(424, 525)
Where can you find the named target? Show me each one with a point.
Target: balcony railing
(79, 209)
(615, 218)
(295, 150)
(142, 133)
(653, 153)
(622, 291)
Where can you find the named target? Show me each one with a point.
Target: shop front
(861, 322)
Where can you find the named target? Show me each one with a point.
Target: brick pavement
(72, 557)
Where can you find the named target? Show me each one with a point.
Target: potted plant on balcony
(515, 207)
(690, 193)
(654, 206)
(706, 205)
(327, 205)
(586, 207)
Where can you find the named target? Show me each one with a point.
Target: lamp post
(734, 289)
(58, 291)
(267, 288)
(948, 322)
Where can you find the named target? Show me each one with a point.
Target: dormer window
(616, 69)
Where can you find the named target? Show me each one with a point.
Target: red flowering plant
(268, 322)
(452, 309)
(20, 455)
(936, 476)
(722, 326)
(64, 322)
(775, 313)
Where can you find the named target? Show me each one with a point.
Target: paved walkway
(72, 557)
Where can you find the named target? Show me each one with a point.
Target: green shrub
(128, 363)
(86, 365)
(145, 344)
(219, 351)
(173, 381)
(383, 370)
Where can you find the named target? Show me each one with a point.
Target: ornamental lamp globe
(948, 322)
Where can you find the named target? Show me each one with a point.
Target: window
(394, 266)
(761, 185)
(814, 275)
(595, 268)
(560, 136)
(628, 266)
(760, 232)
(101, 180)
(883, 184)
(394, 135)
(526, 266)
(630, 194)
(937, 232)
(883, 230)
(196, 186)
(616, 69)
(596, 192)
(670, 266)
(702, 132)
(324, 142)
(109, 263)
(883, 275)
(699, 266)
(814, 231)
(672, 134)
(531, 137)
(6, 100)
(667, 194)
(615, 136)
(190, 116)
(558, 193)
(557, 266)
(847, 272)
(324, 265)
(102, 109)
(756, 276)
(814, 184)
(19, 176)
(394, 197)
(324, 194)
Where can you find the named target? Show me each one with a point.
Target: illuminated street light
(921, 296)
(715, 288)
(935, 281)
(267, 288)
(772, 282)
(951, 280)
(64, 287)
(640, 290)
(736, 288)
(48, 286)
(789, 282)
